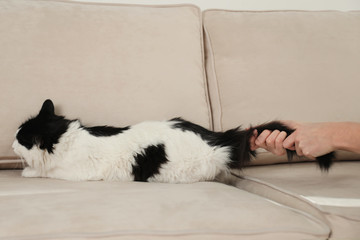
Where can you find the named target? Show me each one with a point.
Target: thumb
(252, 139)
(289, 142)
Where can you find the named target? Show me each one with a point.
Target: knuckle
(283, 134)
(266, 131)
(276, 131)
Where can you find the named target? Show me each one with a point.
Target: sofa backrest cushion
(294, 65)
(103, 63)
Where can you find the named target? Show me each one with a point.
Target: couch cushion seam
(216, 85)
(204, 76)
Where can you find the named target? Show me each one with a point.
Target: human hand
(271, 141)
(311, 139)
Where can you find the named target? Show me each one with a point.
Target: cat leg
(30, 172)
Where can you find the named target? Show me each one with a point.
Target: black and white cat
(174, 151)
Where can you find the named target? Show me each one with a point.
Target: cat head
(40, 133)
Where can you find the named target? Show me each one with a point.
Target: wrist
(341, 137)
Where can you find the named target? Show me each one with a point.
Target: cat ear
(47, 108)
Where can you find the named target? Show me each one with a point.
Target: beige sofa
(121, 64)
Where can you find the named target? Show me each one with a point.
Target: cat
(173, 151)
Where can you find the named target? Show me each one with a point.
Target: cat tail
(241, 154)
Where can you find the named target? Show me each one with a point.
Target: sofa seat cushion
(37, 208)
(107, 64)
(334, 196)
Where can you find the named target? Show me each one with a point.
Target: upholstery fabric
(298, 65)
(64, 209)
(333, 197)
(119, 64)
(282, 65)
(107, 64)
(11, 163)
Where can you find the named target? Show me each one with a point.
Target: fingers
(280, 150)
(292, 143)
(272, 141)
(289, 142)
(261, 139)
(299, 151)
(253, 146)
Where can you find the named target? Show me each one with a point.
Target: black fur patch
(105, 131)
(148, 162)
(326, 161)
(207, 135)
(234, 138)
(43, 131)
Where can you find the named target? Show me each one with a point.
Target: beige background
(273, 65)
(257, 4)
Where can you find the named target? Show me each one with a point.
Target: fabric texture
(11, 163)
(64, 209)
(298, 65)
(107, 64)
(333, 198)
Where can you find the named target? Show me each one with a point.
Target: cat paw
(30, 172)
